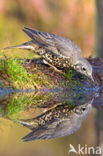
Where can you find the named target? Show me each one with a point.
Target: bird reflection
(61, 120)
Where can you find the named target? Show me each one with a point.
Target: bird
(56, 51)
(62, 120)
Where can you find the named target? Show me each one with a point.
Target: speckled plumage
(57, 51)
(59, 121)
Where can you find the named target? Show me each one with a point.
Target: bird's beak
(92, 79)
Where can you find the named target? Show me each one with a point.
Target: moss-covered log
(23, 74)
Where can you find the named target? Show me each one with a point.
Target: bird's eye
(84, 69)
(83, 109)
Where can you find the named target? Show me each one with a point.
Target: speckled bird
(56, 51)
(62, 120)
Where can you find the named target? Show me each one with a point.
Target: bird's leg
(53, 67)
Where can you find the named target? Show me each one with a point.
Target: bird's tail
(26, 45)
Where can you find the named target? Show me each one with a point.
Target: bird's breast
(55, 60)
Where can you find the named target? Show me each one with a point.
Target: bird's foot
(53, 67)
(56, 70)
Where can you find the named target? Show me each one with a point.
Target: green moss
(70, 75)
(16, 73)
(43, 80)
(22, 77)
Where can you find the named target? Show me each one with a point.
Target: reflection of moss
(20, 102)
(17, 104)
(43, 99)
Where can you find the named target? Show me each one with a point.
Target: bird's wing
(53, 130)
(58, 45)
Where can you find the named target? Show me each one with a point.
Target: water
(51, 121)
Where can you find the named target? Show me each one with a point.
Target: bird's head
(84, 67)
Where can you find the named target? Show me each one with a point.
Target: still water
(51, 122)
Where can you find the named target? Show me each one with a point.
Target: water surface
(48, 121)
